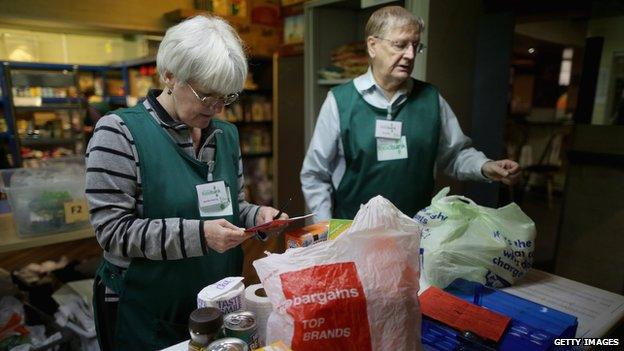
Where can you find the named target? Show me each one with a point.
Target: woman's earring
(169, 92)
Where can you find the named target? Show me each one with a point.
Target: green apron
(407, 183)
(156, 297)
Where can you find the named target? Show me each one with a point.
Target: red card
(275, 224)
(461, 315)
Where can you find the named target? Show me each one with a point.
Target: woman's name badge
(391, 149)
(388, 129)
(214, 199)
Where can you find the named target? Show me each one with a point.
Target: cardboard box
(265, 12)
(307, 236)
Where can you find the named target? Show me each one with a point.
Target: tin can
(242, 325)
(228, 344)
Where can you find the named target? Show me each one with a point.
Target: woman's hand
(506, 171)
(222, 235)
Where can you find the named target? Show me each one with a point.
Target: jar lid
(205, 320)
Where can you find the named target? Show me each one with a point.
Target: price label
(76, 211)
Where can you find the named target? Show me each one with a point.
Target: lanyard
(211, 165)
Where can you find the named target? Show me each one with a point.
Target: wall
(571, 33)
(612, 29)
(39, 46)
(121, 16)
(451, 29)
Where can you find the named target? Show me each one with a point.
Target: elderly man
(384, 133)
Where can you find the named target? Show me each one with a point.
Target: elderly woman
(384, 132)
(165, 191)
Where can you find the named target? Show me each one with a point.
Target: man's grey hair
(205, 51)
(389, 17)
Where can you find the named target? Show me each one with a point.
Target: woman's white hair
(206, 51)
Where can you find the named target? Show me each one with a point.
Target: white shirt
(324, 164)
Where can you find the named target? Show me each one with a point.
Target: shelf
(116, 100)
(333, 81)
(258, 91)
(249, 123)
(257, 154)
(9, 241)
(150, 60)
(184, 13)
(49, 106)
(46, 141)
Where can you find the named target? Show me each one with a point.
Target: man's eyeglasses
(402, 46)
(211, 100)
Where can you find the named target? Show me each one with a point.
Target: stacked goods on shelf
(258, 180)
(293, 29)
(43, 112)
(142, 79)
(348, 61)
(255, 140)
(255, 108)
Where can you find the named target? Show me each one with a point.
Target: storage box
(307, 236)
(46, 200)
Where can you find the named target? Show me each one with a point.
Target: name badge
(391, 149)
(388, 129)
(214, 199)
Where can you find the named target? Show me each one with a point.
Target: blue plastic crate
(533, 327)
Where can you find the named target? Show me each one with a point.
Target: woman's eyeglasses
(212, 100)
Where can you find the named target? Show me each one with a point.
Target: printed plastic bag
(461, 239)
(358, 292)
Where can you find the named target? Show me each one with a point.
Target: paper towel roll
(257, 302)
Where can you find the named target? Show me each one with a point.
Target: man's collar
(366, 83)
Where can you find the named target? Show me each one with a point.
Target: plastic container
(46, 200)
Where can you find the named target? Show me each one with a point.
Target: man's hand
(266, 214)
(222, 235)
(506, 171)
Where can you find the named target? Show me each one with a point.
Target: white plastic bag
(358, 292)
(461, 239)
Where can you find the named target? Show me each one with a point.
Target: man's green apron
(407, 183)
(157, 296)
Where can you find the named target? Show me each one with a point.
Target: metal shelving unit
(47, 75)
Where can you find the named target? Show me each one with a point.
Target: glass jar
(204, 327)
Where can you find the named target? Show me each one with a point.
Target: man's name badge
(388, 129)
(391, 149)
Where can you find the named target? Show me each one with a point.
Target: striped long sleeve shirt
(113, 191)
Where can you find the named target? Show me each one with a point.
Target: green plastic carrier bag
(461, 239)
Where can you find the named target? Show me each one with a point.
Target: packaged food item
(227, 295)
(204, 326)
(307, 236)
(337, 227)
(242, 325)
(228, 344)
(276, 346)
